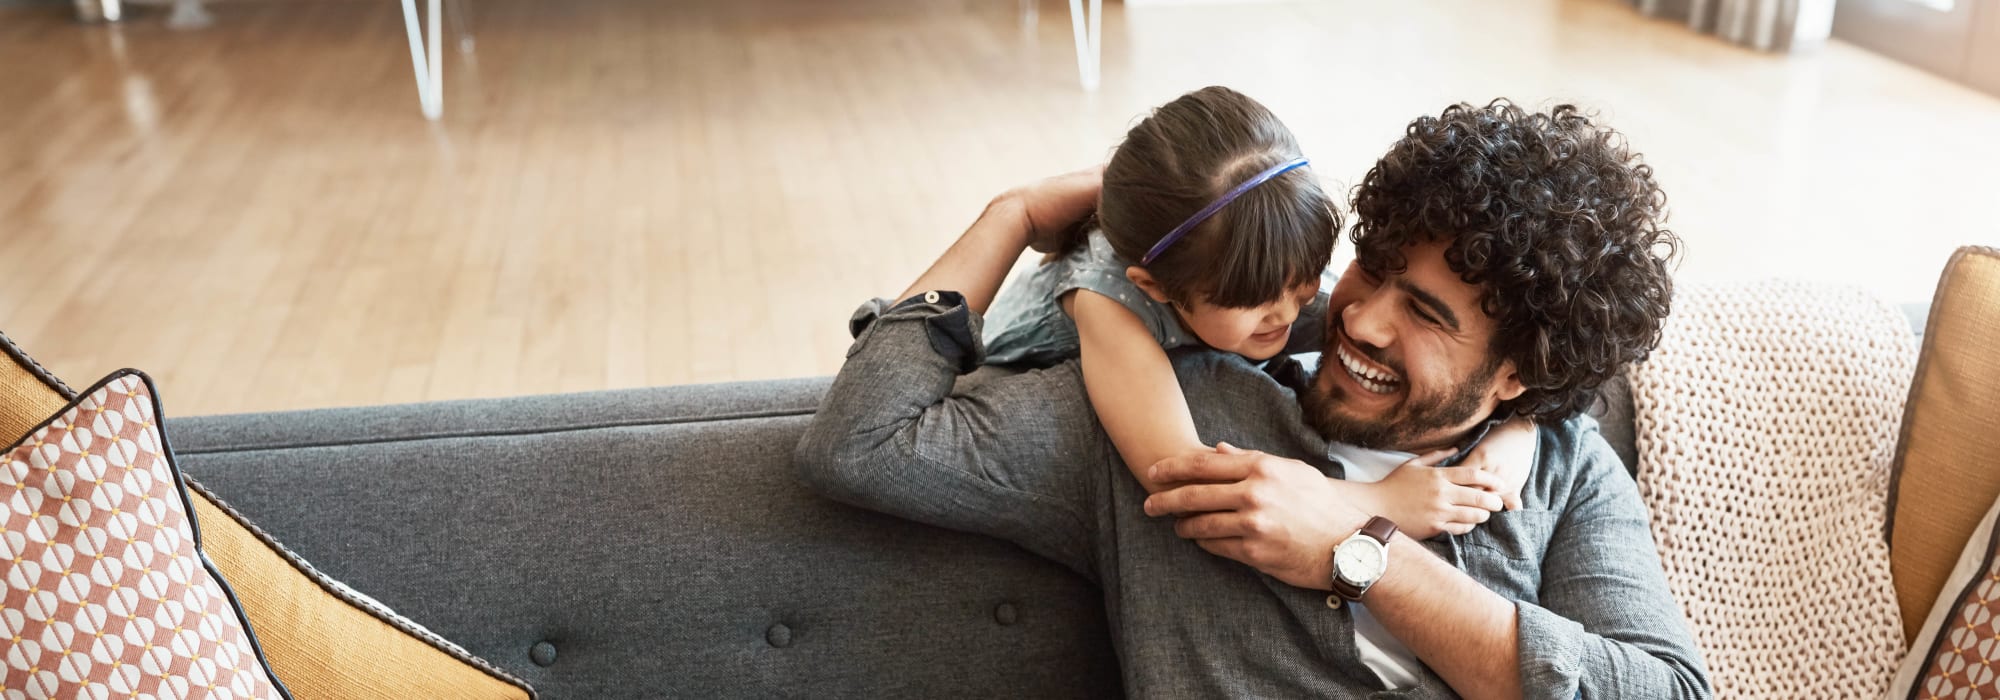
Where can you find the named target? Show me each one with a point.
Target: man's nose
(1366, 321)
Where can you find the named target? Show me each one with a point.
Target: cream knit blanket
(1767, 420)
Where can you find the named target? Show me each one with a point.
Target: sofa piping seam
(515, 432)
(35, 368)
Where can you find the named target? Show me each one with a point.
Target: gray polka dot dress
(1026, 326)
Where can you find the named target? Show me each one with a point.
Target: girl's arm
(1508, 452)
(1131, 384)
(1426, 499)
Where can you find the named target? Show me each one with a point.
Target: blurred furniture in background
(1765, 25)
(1957, 39)
(426, 54)
(1089, 31)
(187, 14)
(430, 71)
(99, 10)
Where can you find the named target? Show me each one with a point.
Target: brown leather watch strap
(1379, 529)
(1345, 590)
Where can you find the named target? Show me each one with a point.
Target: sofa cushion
(1766, 425)
(1942, 483)
(107, 591)
(653, 543)
(321, 639)
(1958, 643)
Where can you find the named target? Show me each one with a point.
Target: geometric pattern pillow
(107, 591)
(323, 638)
(1958, 645)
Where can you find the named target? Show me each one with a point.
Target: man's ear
(1507, 382)
(1147, 284)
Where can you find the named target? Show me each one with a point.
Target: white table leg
(1096, 43)
(1089, 32)
(436, 17)
(429, 69)
(98, 10)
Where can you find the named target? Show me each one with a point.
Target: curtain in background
(1765, 25)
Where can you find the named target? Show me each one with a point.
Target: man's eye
(1421, 314)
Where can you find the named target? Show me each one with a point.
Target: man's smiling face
(1408, 363)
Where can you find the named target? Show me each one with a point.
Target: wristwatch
(1361, 560)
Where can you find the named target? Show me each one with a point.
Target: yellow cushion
(1945, 475)
(28, 395)
(321, 640)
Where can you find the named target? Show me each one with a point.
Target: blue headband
(1216, 206)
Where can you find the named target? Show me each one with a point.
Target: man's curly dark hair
(1554, 216)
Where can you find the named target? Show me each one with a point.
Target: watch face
(1360, 560)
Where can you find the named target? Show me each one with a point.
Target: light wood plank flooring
(628, 193)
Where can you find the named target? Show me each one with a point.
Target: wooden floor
(627, 192)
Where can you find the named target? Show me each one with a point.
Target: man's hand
(1280, 516)
(1035, 215)
(1057, 206)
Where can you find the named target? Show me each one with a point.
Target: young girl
(1231, 235)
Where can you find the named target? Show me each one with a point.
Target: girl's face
(1258, 333)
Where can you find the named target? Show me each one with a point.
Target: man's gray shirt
(1022, 457)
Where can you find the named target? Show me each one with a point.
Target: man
(1508, 263)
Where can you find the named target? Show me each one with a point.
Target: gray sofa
(656, 543)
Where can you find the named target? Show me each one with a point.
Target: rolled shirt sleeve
(1019, 457)
(1606, 625)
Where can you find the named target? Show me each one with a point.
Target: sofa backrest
(650, 543)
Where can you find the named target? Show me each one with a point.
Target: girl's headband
(1216, 206)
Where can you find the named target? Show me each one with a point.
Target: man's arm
(1462, 631)
(1606, 627)
(1009, 457)
(1606, 624)
(1037, 215)
(977, 263)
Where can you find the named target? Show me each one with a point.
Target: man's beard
(1454, 405)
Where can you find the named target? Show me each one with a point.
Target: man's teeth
(1369, 378)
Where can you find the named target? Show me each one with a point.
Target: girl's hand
(1509, 453)
(1425, 500)
(1057, 207)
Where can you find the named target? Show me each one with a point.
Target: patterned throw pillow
(107, 591)
(324, 639)
(1958, 646)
